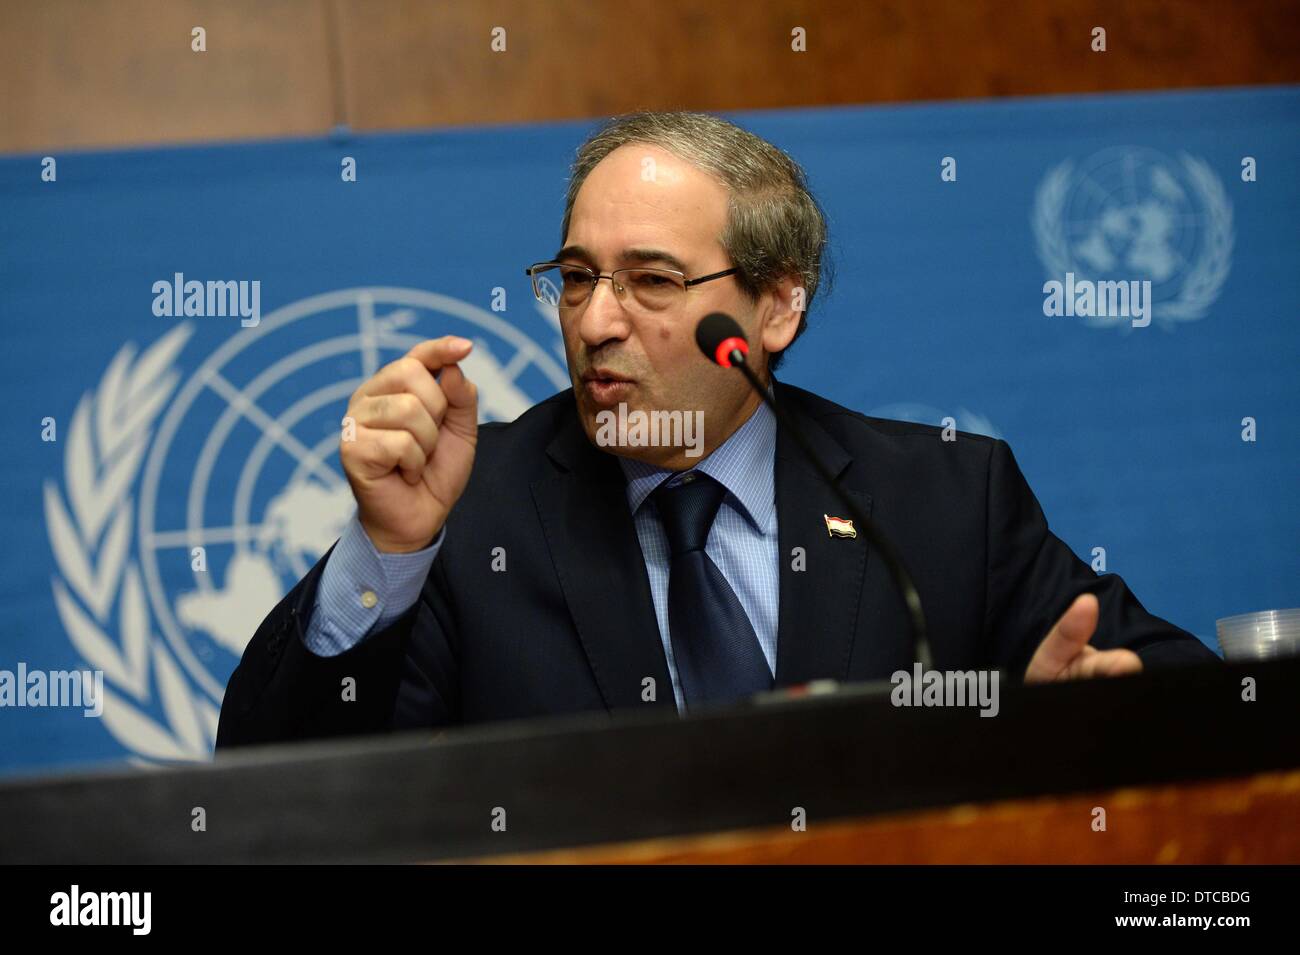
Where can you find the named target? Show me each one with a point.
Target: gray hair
(774, 225)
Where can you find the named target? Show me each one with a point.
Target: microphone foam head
(718, 334)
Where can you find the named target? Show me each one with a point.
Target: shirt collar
(744, 464)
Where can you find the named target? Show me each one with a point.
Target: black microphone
(722, 340)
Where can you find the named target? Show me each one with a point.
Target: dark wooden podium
(1184, 768)
(1251, 820)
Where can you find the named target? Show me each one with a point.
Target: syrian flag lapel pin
(839, 527)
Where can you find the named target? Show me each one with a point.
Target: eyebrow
(640, 256)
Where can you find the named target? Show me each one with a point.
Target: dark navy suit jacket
(570, 624)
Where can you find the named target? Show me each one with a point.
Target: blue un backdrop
(180, 433)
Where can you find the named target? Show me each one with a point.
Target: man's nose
(604, 317)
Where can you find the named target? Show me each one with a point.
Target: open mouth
(607, 390)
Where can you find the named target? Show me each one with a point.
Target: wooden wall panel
(113, 72)
(117, 72)
(430, 65)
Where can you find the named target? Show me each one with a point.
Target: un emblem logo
(1129, 214)
(192, 500)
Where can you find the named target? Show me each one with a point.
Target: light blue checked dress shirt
(362, 590)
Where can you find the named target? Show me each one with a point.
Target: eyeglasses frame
(596, 277)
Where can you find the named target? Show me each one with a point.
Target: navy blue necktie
(714, 645)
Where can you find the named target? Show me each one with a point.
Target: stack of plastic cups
(1260, 636)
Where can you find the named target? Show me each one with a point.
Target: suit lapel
(819, 604)
(597, 556)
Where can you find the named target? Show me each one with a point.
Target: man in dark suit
(591, 567)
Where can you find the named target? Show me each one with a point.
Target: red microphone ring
(725, 347)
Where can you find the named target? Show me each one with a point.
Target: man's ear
(781, 308)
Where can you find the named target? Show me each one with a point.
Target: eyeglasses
(571, 286)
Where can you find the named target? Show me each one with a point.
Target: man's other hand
(1065, 654)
